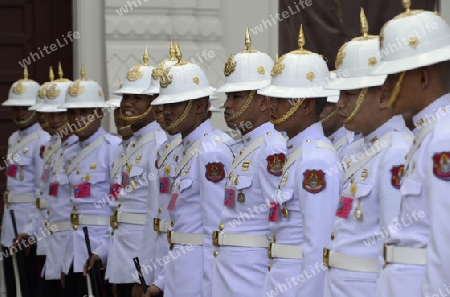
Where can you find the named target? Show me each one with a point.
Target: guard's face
(42, 119)
(23, 117)
(159, 115)
(58, 121)
(278, 108)
(233, 104)
(121, 125)
(173, 112)
(333, 123)
(135, 104)
(85, 121)
(347, 103)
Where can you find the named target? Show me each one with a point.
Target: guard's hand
(22, 240)
(152, 291)
(90, 263)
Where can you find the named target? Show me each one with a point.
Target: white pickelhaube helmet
(40, 98)
(84, 93)
(413, 39)
(183, 81)
(355, 60)
(23, 92)
(55, 92)
(334, 98)
(246, 71)
(138, 78)
(299, 74)
(158, 71)
(113, 103)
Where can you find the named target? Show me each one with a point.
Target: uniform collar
(69, 141)
(172, 137)
(146, 129)
(436, 109)
(265, 128)
(27, 131)
(94, 137)
(126, 142)
(312, 132)
(396, 123)
(198, 132)
(336, 136)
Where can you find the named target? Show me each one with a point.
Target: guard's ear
(264, 103)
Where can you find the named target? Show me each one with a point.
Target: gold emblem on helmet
(311, 76)
(372, 61)
(52, 92)
(230, 65)
(278, 66)
(135, 74)
(165, 79)
(75, 89)
(19, 88)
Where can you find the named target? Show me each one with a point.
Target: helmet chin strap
(56, 131)
(126, 128)
(243, 109)
(135, 118)
(83, 128)
(361, 97)
(26, 121)
(289, 113)
(181, 118)
(330, 116)
(396, 91)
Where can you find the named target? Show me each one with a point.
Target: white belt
(160, 225)
(58, 226)
(345, 262)
(131, 218)
(41, 203)
(85, 219)
(286, 251)
(404, 255)
(184, 238)
(19, 198)
(242, 240)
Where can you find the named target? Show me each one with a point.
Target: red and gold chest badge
(215, 172)
(42, 151)
(275, 164)
(313, 181)
(441, 165)
(396, 175)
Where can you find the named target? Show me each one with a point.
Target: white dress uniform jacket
(168, 158)
(340, 139)
(368, 203)
(412, 226)
(89, 183)
(436, 168)
(138, 174)
(255, 175)
(59, 209)
(301, 215)
(25, 157)
(35, 225)
(194, 209)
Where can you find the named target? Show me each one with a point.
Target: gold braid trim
(289, 113)
(26, 121)
(330, 116)
(243, 108)
(82, 128)
(362, 96)
(397, 89)
(135, 118)
(181, 118)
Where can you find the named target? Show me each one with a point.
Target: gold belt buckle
(215, 238)
(385, 246)
(169, 238)
(326, 257)
(5, 199)
(269, 250)
(113, 220)
(156, 225)
(74, 220)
